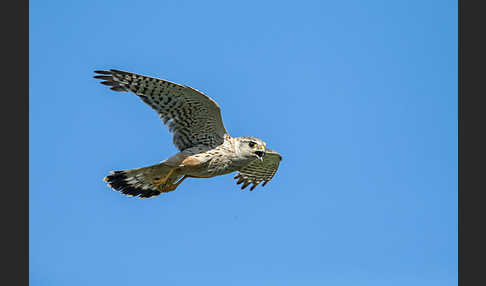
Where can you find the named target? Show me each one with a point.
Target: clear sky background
(360, 98)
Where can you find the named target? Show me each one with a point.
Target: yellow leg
(161, 182)
(172, 187)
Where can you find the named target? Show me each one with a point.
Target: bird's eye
(251, 144)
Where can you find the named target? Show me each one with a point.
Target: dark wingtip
(105, 77)
(118, 88)
(117, 71)
(102, 72)
(109, 83)
(245, 185)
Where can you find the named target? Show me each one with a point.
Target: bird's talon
(161, 182)
(166, 188)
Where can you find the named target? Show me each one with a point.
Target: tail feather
(138, 182)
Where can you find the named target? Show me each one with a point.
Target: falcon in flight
(205, 148)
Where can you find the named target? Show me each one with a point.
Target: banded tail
(139, 182)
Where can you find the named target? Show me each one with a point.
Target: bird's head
(251, 147)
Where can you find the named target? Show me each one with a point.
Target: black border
(472, 143)
(471, 120)
(15, 142)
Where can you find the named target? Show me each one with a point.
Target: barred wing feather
(258, 171)
(192, 117)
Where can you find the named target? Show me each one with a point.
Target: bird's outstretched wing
(258, 171)
(193, 117)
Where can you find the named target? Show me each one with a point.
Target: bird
(205, 148)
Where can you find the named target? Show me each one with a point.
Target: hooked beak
(261, 152)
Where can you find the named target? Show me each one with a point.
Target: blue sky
(360, 98)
